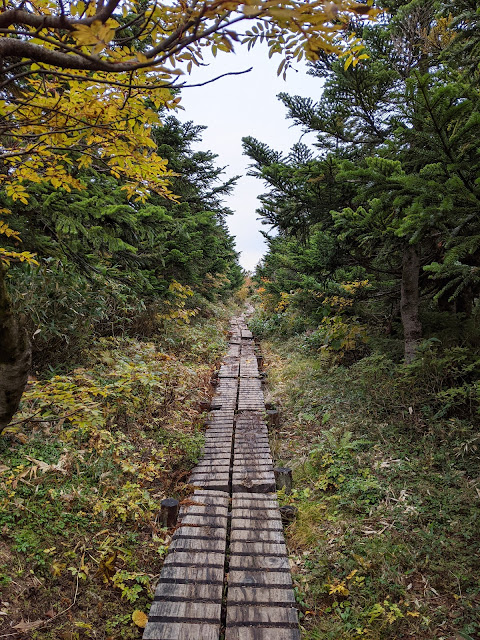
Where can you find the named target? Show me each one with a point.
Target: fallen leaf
(139, 618)
(28, 626)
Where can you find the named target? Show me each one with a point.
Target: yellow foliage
(337, 588)
(87, 88)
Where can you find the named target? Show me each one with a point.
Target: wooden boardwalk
(227, 573)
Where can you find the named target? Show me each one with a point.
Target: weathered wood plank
(260, 565)
(210, 469)
(252, 468)
(255, 486)
(261, 513)
(258, 548)
(191, 544)
(191, 611)
(212, 497)
(251, 615)
(194, 559)
(260, 525)
(223, 485)
(259, 633)
(204, 519)
(260, 595)
(207, 510)
(239, 499)
(189, 592)
(205, 574)
(181, 631)
(254, 535)
(213, 533)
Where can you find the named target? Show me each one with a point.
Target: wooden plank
(254, 535)
(247, 457)
(260, 633)
(252, 468)
(190, 544)
(244, 500)
(212, 533)
(181, 631)
(175, 611)
(260, 595)
(204, 520)
(253, 476)
(217, 475)
(195, 511)
(206, 469)
(257, 548)
(251, 615)
(223, 485)
(189, 592)
(212, 497)
(255, 486)
(194, 559)
(252, 523)
(260, 565)
(205, 574)
(262, 513)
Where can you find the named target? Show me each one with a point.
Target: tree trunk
(409, 302)
(15, 355)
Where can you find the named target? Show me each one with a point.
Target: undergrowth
(385, 545)
(83, 470)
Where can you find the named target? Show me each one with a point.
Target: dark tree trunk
(409, 301)
(15, 355)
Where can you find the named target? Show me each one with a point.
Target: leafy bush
(347, 339)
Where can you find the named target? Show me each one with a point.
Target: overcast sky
(238, 106)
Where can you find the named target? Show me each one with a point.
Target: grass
(386, 540)
(82, 474)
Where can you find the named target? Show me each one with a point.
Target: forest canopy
(84, 86)
(380, 221)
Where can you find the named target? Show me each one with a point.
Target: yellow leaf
(348, 62)
(250, 11)
(57, 568)
(139, 618)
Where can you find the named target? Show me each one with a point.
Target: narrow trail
(227, 573)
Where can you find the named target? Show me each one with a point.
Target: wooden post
(204, 405)
(169, 512)
(260, 363)
(273, 418)
(283, 478)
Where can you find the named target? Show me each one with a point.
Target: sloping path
(227, 573)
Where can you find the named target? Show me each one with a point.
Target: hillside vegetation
(127, 307)
(367, 300)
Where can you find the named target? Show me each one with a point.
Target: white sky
(238, 106)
